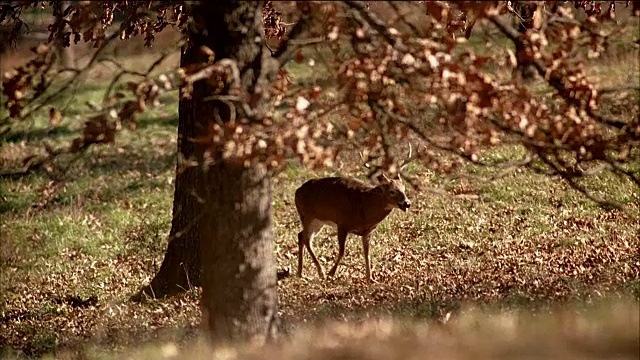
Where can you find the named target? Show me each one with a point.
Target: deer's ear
(382, 178)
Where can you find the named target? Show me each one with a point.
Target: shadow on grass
(409, 311)
(170, 121)
(43, 343)
(37, 134)
(135, 172)
(132, 173)
(110, 165)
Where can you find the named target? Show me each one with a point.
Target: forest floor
(520, 265)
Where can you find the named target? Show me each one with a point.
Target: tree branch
(403, 16)
(60, 92)
(615, 89)
(516, 37)
(284, 51)
(125, 71)
(376, 23)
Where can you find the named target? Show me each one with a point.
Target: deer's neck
(377, 207)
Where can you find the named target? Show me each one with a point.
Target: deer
(351, 205)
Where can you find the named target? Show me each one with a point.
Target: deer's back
(342, 201)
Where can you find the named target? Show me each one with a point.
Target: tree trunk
(239, 284)
(181, 268)
(525, 69)
(223, 212)
(65, 58)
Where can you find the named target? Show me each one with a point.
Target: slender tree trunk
(223, 212)
(525, 19)
(65, 55)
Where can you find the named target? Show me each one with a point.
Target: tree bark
(181, 268)
(525, 69)
(223, 212)
(65, 57)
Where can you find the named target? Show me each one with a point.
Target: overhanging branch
(517, 38)
(376, 24)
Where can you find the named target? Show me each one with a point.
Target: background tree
(401, 78)
(63, 50)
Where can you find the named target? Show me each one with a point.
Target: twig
(618, 89)
(68, 84)
(376, 24)
(411, 126)
(125, 71)
(308, 41)
(121, 67)
(284, 52)
(402, 15)
(37, 162)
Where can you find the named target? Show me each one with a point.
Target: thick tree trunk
(239, 284)
(223, 212)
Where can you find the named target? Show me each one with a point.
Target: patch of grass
(312, 69)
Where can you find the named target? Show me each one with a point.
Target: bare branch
(402, 14)
(376, 24)
(36, 163)
(616, 89)
(124, 72)
(424, 137)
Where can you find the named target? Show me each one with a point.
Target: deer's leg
(365, 251)
(309, 232)
(301, 245)
(342, 239)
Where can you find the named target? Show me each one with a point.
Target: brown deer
(351, 205)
